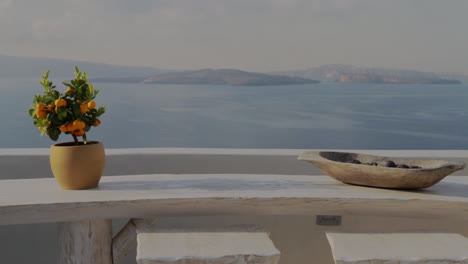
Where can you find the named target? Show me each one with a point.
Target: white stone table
(145, 196)
(88, 212)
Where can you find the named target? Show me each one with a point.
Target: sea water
(314, 116)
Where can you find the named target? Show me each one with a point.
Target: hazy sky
(259, 35)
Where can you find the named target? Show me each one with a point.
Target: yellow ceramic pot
(77, 167)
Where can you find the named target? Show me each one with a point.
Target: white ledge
(147, 196)
(234, 151)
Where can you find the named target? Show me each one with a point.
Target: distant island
(375, 78)
(355, 74)
(214, 77)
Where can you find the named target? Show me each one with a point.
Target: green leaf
(43, 132)
(95, 93)
(40, 122)
(76, 109)
(88, 92)
(62, 115)
(101, 111)
(54, 133)
(91, 88)
(46, 74)
(32, 112)
(77, 71)
(56, 95)
(54, 119)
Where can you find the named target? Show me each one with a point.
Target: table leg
(85, 242)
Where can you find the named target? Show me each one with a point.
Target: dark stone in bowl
(387, 163)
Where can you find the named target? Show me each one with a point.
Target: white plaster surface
(401, 248)
(234, 151)
(143, 196)
(170, 247)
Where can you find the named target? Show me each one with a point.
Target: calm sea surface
(326, 115)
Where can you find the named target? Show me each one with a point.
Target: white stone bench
(399, 248)
(226, 245)
(201, 246)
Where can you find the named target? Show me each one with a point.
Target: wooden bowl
(337, 166)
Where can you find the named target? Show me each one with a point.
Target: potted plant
(78, 164)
